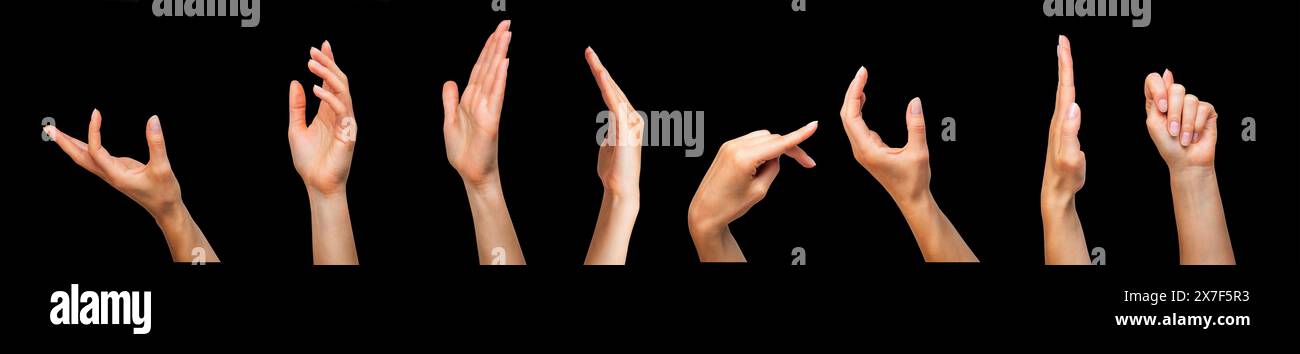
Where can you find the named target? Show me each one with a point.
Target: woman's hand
(619, 167)
(469, 128)
(471, 119)
(1064, 171)
(1185, 130)
(905, 174)
(322, 151)
(152, 184)
(740, 176)
(1183, 127)
(322, 154)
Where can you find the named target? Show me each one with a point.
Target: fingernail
(1196, 137)
(51, 132)
(861, 69)
(1173, 128)
(1164, 105)
(1074, 111)
(1186, 138)
(1060, 39)
(811, 124)
(154, 125)
(916, 106)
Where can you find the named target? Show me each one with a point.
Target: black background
(220, 91)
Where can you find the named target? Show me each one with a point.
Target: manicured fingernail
(1196, 137)
(51, 132)
(861, 69)
(154, 125)
(1173, 128)
(1186, 138)
(916, 106)
(1074, 111)
(811, 124)
(1164, 105)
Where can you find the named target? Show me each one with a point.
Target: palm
(320, 154)
(144, 184)
(472, 142)
(902, 170)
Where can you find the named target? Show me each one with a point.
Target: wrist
(169, 214)
(914, 202)
(315, 195)
(490, 183)
(622, 198)
(703, 228)
(1191, 172)
(1053, 200)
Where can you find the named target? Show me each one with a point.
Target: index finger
(773, 148)
(1064, 75)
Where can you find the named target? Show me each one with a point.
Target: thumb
(157, 148)
(1212, 125)
(297, 106)
(1070, 130)
(449, 103)
(915, 123)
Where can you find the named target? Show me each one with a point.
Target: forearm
(609, 242)
(1198, 211)
(184, 239)
(935, 235)
(492, 226)
(1063, 240)
(331, 229)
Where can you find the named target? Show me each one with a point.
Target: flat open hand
(471, 120)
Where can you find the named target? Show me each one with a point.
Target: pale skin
(1185, 130)
(153, 185)
(470, 130)
(905, 174)
(740, 176)
(619, 167)
(322, 155)
(1063, 173)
